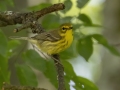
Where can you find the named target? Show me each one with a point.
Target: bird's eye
(63, 28)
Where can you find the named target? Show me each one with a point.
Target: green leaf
(80, 82)
(96, 25)
(4, 65)
(51, 21)
(39, 6)
(9, 2)
(1, 79)
(51, 73)
(65, 19)
(67, 81)
(68, 69)
(70, 75)
(69, 53)
(26, 75)
(103, 41)
(3, 44)
(68, 5)
(85, 47)
(5, 3)
(81, 3)
(12, 45)
(4, 72)
(87, 84)
(76, 26)
(3, 6)
(85, 19)
(32, 58)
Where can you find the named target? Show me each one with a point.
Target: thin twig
(53, 8)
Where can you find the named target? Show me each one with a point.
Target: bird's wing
(48, 36)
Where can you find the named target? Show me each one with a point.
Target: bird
(51, 42)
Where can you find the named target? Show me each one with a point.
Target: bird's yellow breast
(69, 38)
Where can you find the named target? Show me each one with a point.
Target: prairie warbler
(51, 42)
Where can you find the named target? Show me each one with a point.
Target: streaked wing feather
(48, 36)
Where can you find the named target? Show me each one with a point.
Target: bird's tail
(20, 38)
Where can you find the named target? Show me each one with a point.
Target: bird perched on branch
(51, 42)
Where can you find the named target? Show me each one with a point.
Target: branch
(50, 9)
(13, 87)
(60, 72)
(29, 20)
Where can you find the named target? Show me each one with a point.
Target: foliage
(6, 49)
(5, 3)
(83, 45)
(81, 3)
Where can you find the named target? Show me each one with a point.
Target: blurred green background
(92, 61)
